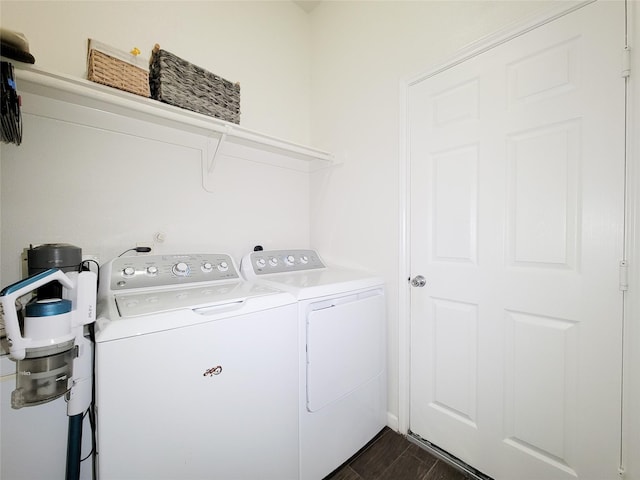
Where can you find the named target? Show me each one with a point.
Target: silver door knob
(418, 281)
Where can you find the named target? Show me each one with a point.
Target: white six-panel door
(517, 209)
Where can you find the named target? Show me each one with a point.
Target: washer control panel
(161, 270)
(278, 261)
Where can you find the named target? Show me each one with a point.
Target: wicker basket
(117, 69)
(177, 82)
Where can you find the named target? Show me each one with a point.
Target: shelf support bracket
(212, 161)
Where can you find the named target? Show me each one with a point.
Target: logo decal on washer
(217, 370)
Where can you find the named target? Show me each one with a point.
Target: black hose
(74, 445)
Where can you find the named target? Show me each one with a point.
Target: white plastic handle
(214, 309)
(8, 297)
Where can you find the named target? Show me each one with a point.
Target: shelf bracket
(211, 163)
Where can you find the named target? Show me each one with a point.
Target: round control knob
(207, 267)
(223, 266)
(152, 270)
(128, 271)
(290, 259)
(273, 261)
(304, 258)
(181, 269)
(261, 262)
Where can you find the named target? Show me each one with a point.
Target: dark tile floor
(390, 456)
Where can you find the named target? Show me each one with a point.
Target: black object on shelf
(11, 119)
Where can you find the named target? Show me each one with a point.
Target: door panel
(517, 210)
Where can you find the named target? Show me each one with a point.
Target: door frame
(631, 365)
(631, 306)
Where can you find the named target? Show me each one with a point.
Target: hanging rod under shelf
(86, 93)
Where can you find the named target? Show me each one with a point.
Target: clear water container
(43, 375)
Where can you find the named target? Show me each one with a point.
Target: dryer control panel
(146, 271)
(277, 261)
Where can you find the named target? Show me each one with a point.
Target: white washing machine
(196, 372)
(342, 348)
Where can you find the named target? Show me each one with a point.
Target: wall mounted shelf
(221, 137)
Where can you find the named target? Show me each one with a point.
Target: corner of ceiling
(307, 5)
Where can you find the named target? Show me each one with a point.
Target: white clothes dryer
(342, 349)
(196, 372)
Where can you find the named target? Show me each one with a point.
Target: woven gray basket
(177, 82)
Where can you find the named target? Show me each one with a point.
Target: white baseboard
(392, 421)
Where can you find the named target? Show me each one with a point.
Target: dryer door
(345, 346)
